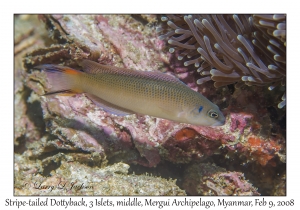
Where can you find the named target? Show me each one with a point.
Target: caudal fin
(61, 79)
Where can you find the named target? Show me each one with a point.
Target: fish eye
(213, 114)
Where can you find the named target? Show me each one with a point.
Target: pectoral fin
(109, 107)
(61, 93)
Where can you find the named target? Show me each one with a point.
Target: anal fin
(109, 107)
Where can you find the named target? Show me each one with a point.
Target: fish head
(205, 115)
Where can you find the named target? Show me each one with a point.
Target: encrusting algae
(122, 92)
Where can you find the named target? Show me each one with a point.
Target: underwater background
(69, 143)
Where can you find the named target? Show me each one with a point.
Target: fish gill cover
(70, 138)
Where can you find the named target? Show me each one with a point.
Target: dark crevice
(231, 88)
(35, 114)
(51, 166)
(139, 18)
(55, 152)
(282, 123)
(273, 113)
(51, 25)
(58, 23)
(21, 147)
(34, 111)
(79, 156)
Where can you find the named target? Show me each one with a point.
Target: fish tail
(62, 79)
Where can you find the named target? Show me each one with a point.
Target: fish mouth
(219, 123)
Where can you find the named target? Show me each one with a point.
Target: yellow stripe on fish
(123, 91)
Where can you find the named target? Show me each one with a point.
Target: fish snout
(220, 122)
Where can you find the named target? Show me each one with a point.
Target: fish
(122, 92)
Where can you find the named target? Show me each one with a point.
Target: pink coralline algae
(240, 121)
(252, 136)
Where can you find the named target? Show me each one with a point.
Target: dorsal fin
(96, 68)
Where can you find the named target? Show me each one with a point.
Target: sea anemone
(230, 49)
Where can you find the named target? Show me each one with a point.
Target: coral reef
(231, 48)
(55, 134)
(207, 179)
(73, 178)
(28, 121)
(280, 187)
